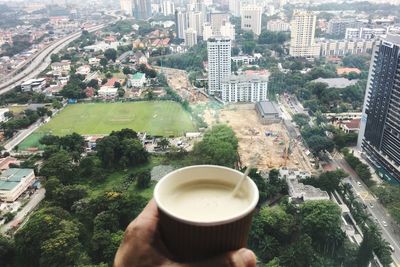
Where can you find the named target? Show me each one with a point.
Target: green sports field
(156, 118)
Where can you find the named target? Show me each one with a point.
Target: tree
(164, 143)
(55, 58)
(103, 62)
(94, 83)
(248, 47)
(110, 54)
(59, 165)
(319, 143)
(7, 251)
(127, 70)
(143, 179)
(121, 92)
(328, 181)
(301, 119)
(150, 95)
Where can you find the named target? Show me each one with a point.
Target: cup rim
(239, 216)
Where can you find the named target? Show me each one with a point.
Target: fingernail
(249, 259)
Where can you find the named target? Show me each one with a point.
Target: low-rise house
(94, 61)
(3, 112)
(34, 85)
(352, 126)
(336, 82)
(268, 112)
(14, 182)
(83, 70)
(61, 68)
(107, 92)
(136, 80)
(345, 71)
(5, 162)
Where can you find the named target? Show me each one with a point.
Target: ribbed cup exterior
(188, 243)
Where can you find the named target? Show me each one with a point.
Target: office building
(219, 63)
(207, 31)
(338, 27)
(302, 29)
(364, 33)
(278, 26)
(251, 18)
(168, 8)
(234, 7)
(126, 7)
(142, 9)
(379, 135)
(228, 30)
(14, 182)
(195, 21)
(181, 23)
(216, 21)
(190, 37)
(244, 88)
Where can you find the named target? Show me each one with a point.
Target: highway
(390, 230)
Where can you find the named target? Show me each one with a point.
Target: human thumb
(239, 258)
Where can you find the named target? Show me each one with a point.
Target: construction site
(179, 81)
(269, 144)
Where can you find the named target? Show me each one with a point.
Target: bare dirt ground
(179, 81)
(253, 139)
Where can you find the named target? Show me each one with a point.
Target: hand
(142, 247)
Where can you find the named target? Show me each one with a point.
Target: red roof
(111, 82)
(353, 124)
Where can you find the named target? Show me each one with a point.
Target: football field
(156, 118)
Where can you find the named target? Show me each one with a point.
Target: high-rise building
(195, 21)
(216, 21)
(181, 23)
(234, 7)
(251, 18)
(126, 7)
(142, 9)
(190, 37)
(278, 26)
(219, 63)
(228, 30)
(168, 8)
(379, 135)
(302, 43)
(207, 31)
(244, 88)
(338, 26)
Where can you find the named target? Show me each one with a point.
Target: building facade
(168, 8)
(364, 33)
(126, 7)
(14, 182)
(338, 26)
(195, 21)
(190, 37)
(234, 7)
(379, 135)
(251, 18)
(278, 26)
(181, 23)
(345, 47)
(244, 88)
(302, 43)
(142, 9)
(219, 63)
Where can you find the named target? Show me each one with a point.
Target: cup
(199, 217)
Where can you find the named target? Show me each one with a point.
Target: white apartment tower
(228, 30)
(234, 7)
(181, 23)
(126, 7)
(219, 63)
(168, 8)
(190, 37)
(195, 21)
(302, 29)
(244, 88)
(251, 18)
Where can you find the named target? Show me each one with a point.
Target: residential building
(168, 8)
(364, 33)
(352, 126)
(228, 30)
(137, 80)
(243, 59)
(345, 47)
(61, 68)
(14, 182)
(142, 9)
(338, 26)
(278, 26)
(195, 21)
(216, 21)
(94, 61)
(251, 18)
(35, 85)
(181, 23)
(302, 35)
(380, 124)
(126, 7)
(3, 112)
(83, 70)
(352, 34)
(108, 92)
(190, 37)
(219, 63)
(244, 88)
(234, 7)
(207, 31)
(268, 112)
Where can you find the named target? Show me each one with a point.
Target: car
(384, 223)
(391, 248)
(359, 184)
(371, 205)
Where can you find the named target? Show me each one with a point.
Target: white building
(302, 29)
(195, 21)
(126, 7)
(219, 63)
(34, 85)
(181, 23)
(137, 80)
(3, 112)
(83, 70)
(234, 7)
(278, 26)
(207, 31)
(244, 88)
(190, 37)
(59, 68)
(243, 59)
(168, 8)
(216, 21)
(352, 33)
(94, 61)
(345, 47)
(364, 33)
(14, 182)
(108, 92)
(251, 18)
(228, 30)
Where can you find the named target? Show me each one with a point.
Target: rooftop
(268, 107)
(246, 78)
(10, 178)
(137, 76)
(336, 82)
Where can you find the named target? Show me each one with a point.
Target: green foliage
(218, 147)
(123, 27)
(389, 196)
(143, 179)
(360, 168)
(110, 54)
(74, 89)
(59, 165)
(328, 181)
(373, 242)
(267, 37)
(7, 251)
(301, 119)
(356, 61)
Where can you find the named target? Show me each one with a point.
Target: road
(29, 207)
(391, 231)
(42, 60)
(22, 134)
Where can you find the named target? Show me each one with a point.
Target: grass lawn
(32, 141)
(156, 118)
